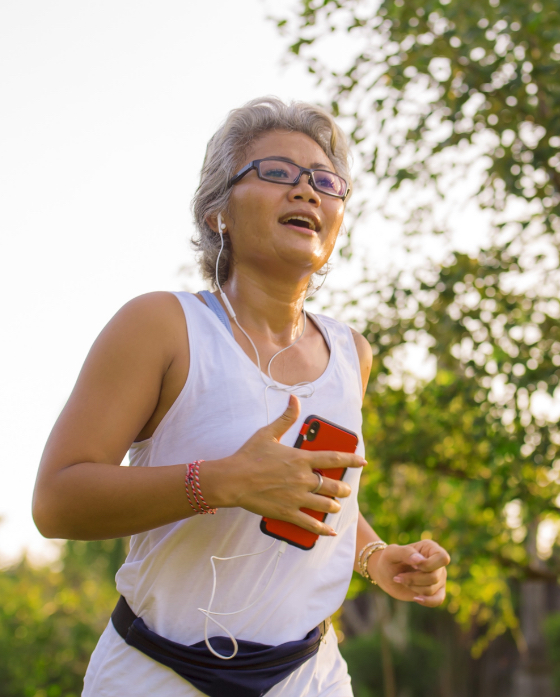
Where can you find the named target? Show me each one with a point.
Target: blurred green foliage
(416, 664)
(51, 620)
(433, 86)
(469, 457)
(466, 449)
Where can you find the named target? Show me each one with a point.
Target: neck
(269, 308)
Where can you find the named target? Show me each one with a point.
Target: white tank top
(167, 574)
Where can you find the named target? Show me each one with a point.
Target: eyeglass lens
(287, 173)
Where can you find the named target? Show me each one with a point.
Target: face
(259, 219)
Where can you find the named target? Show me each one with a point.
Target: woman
(177, 380)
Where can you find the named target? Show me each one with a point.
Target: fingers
(323, 504)
(418, 578)
(280, 479)
(419, 556)
(311, 504)
(435, 555)
(437, 558)
(307, 522)
(432, 600)
(306, 518)
(277, 428)
(437, 561)
(419, 583)
(327, 459)
(331, 487)
(427, 588)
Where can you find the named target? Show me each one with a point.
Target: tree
(471, 455)
(435, 93)
(436, 88)
(50, 620)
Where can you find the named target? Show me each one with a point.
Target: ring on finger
(319, 483)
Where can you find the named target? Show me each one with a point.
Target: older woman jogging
(208, 392)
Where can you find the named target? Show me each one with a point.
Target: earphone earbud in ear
(221, 225)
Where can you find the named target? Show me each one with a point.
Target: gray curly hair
(225, 151)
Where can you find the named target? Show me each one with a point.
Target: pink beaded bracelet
(192, 482)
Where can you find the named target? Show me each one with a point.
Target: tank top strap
(214, 304)
(341, 335)
(321, 327)
(216, 307)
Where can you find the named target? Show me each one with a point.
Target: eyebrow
(313, 165)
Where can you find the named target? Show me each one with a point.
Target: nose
(303, 191)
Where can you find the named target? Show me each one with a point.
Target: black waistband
(123, 617)
(251, 673)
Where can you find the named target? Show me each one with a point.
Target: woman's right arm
(82, 493)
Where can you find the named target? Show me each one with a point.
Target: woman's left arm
(414, 572)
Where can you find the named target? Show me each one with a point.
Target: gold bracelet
(369, 549)
(375, 544)
(369, 544)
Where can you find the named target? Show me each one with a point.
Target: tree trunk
(533, 678)
(389, 683)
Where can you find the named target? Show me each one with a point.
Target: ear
(212, 222)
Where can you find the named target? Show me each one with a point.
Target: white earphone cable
(302, 389)
(208, 612)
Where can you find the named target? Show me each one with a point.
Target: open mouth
(300, 221)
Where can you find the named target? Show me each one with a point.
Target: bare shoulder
(159, 307)
(365, 356)
(363, 348)
(153, 319)
(132, 374)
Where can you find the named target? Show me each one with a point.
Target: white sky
(106, 111)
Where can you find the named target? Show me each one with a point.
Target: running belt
(252, 672)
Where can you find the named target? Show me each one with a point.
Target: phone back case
(329, 436)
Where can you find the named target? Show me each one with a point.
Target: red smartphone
(315, 434)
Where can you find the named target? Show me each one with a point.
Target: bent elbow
(42, 523)
(45, 519)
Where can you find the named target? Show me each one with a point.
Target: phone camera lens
(313, 430)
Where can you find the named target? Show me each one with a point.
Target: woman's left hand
(414, 572)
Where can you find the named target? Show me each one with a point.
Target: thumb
(405, 554)
(277, 428)
(413, 557)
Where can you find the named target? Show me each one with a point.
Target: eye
(325, 181)
(275, 172)
(279, 171)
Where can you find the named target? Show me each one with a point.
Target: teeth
(304, 218)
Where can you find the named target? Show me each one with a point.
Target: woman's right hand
(275, 480)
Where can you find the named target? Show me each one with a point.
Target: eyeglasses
(282, 171)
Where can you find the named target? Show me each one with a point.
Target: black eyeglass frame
(302, 170)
